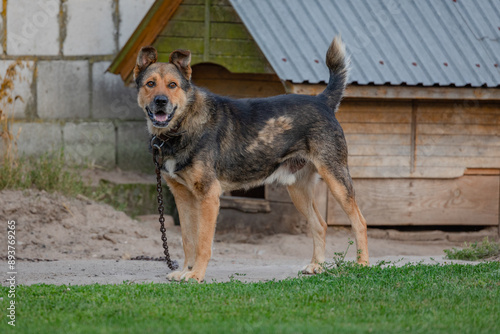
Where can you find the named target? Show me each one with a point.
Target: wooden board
(367, 128)
(458, 140)
(458, 151)
(234, 48)
(380, 171)
(377, 139)
(403, 92)
(462, 129)
(214, 34)
(468, 200)
(245, 204)
(459, 135)
(176, 28)
(220, 13)
(466, 162)
(220, 81)
(459, 107)
(190, 12)
(378, 135)
(167, 44)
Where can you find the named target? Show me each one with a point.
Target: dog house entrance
(258, 192)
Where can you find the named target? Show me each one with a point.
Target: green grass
(48, 172)
(350, 299)
(474, 251)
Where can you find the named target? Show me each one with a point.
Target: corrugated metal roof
(424, 42)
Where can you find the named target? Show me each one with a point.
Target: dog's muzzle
(160, 118)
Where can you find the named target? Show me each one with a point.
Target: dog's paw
(312, 268)
(364, 262)
(193, 275)
(175, 276)
(363, 259)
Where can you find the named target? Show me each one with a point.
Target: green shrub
(474, 251)
(49, 172)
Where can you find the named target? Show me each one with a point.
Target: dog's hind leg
(185, 200)
(302, 195)
(340, 184)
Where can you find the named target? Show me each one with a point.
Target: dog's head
(162, 87)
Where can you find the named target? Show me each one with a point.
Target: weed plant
(475, 251)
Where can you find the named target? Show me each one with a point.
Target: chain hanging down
(157, 151)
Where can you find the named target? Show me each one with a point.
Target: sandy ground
(77, 241)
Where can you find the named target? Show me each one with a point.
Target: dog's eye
(150, 84)
(172, 85)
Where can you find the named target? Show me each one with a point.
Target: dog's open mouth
(160, 119)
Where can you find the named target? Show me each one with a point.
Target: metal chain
(171, 264)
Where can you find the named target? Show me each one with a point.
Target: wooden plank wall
(378, 136)
(452, 136)
(411, 162)
(427, 139)
(468, 200)
(214, 34)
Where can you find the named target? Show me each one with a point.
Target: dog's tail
(339, 68)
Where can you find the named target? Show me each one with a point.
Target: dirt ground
(60, 240)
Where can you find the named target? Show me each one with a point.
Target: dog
(211, 144)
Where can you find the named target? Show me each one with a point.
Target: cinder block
(90, 143)
(34, 139)
(110, 97)
(133, 147)
(21, 77)
(131, 14)
(90, 28)
(33, 27)
(63, 89)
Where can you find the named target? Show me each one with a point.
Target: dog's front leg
(186, 206)
(208, 204)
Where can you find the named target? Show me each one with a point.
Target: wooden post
(206, 42)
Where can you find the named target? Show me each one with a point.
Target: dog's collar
(170, 133)
(160, 142)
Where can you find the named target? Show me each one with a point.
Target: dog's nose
(161, 100)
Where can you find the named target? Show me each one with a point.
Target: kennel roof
(425, 42)
(390, 42)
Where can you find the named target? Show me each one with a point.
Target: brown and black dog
(212, 144)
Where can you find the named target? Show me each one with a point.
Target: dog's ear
(146, 57)
(182, 60)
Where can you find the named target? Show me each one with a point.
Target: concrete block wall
(62, 95)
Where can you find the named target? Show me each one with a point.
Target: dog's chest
(170, 167)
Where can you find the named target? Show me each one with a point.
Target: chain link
(171, 264)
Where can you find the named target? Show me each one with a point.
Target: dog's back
(262, 135)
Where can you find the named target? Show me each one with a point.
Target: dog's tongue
(161, 117)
